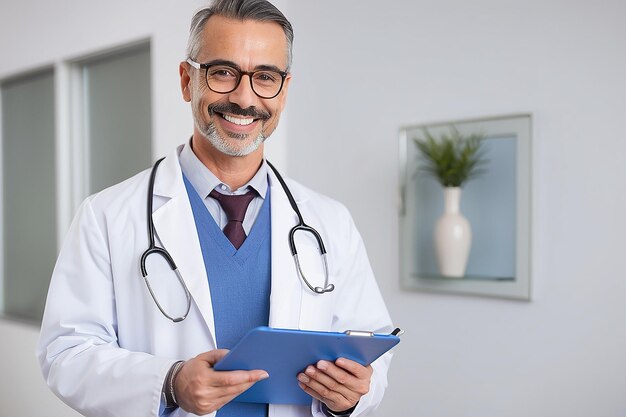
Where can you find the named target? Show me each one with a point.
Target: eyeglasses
(223, 78)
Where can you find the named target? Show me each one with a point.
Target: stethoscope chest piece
(322, 249)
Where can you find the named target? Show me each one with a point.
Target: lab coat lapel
(285, 298)
(176, 230)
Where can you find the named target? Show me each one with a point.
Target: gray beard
(210, 133)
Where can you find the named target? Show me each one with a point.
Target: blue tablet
(284, 353)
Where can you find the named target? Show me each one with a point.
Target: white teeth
(238, 121)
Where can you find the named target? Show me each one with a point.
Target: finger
(355, 368)
(227, 393)
(332, 399)
(236, 378)
(340, 382)
(356, 384)
(213, 399)
(310, 391)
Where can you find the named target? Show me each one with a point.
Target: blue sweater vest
(239, 281)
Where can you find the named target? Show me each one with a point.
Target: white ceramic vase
(453, 236)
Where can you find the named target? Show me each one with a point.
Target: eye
(222, 72)
(267, 77)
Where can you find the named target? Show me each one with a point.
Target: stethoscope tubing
(300, 227)
(162, 252)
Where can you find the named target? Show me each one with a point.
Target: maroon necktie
(235, 207)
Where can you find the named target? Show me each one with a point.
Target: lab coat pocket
(316, 310)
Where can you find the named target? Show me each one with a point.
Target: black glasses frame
(250, 74)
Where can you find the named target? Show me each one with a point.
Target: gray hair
(259, 10)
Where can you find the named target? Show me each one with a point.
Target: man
(112, 346)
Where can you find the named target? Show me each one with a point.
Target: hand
(339, 385)
(200, 389)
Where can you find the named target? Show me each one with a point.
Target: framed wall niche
(497, 205)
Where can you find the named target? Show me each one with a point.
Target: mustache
(233, 108)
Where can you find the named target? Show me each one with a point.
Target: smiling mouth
(238, 118)
(240, 121)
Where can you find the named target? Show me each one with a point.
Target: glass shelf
(466, 277)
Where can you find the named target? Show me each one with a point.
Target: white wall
(561, 354)
(365, 68)
(35, 34)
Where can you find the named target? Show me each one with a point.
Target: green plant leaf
(452, 158)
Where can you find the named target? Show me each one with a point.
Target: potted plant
(452, 159)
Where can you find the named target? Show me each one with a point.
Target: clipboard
(284, 353)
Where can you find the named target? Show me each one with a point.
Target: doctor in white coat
(105, 347)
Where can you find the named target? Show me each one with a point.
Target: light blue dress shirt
(204, 181)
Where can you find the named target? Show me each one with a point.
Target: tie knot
(234, 206)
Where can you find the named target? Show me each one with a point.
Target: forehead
(248, 43)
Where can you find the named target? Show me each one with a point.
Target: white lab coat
(105, 347)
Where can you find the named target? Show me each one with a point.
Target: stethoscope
(301, 226)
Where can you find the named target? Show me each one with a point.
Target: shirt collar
(204, 181)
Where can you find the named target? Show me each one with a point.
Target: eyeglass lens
(224, 79)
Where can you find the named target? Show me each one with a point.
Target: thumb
(212, 356)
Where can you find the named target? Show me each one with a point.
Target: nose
(243, 95)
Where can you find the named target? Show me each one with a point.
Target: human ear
(185, 81)
(283, 92)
